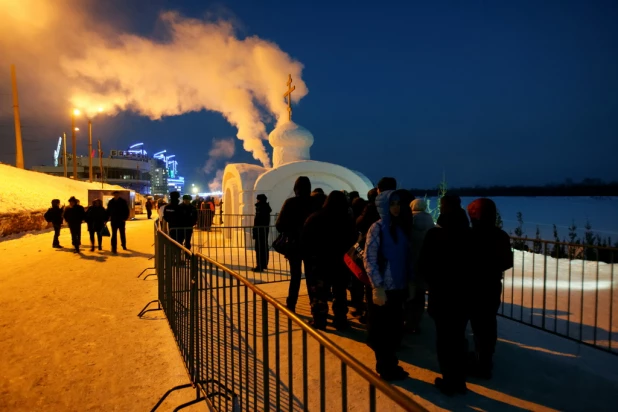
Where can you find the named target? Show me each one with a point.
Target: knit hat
(483, 210)
(174, 195)
(262, 197)
(186, 197)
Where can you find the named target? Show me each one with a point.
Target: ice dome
(291, 143)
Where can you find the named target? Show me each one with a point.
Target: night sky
(490, 92)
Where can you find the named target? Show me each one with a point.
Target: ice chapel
(291, 144)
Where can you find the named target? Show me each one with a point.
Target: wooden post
(101, 163)
(90, 149)
(19, 149)
(74, 142)
(64, 153)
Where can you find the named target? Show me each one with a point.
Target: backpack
(354, 259)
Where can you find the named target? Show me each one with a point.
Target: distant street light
(194, 189)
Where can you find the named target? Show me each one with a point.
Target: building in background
(132, 169)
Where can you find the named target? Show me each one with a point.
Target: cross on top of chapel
(288, 95)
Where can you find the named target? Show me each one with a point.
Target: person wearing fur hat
(261, 229)
(492, 255)
(388, 266)
(445, 264)
(74, 215)
(118, 212)
(415, 306)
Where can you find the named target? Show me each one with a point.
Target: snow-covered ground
(70, 339)
(575, 298)
(28, 191)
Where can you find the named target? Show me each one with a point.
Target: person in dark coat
(54, 216)
(290, 222)
(96, 217)
(444, 263)
(327, 235)
(187, 218)
(74, 215)
(358, 206)
(118, 213)
(492, 255)
(370, 215)
(173, 219)
(357, 288)
(389, 269)
(317, 200)
(261, 229)
(352, 196)
(149, 208)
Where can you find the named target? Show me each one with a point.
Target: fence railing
(244, 350)
(243, 249)
(566, 289)
(218, 219)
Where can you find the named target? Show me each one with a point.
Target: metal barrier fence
(566, 289)
(245, 249)
(208, 218)
(244, 350)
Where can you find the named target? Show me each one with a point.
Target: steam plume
(199, 66)
(221, 149)
(216, 183)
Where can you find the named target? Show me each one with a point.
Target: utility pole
(90, 148)
(64, 153)
(74, 142)
(19, 149)
(101, 163)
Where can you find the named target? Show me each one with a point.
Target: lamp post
(74, 142)
(90, 174)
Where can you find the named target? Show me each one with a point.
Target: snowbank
(25, 195)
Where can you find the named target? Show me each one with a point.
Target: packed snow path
(70, 338)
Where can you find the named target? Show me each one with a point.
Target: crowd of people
(457, 263)
(178, 218)
(96, 217)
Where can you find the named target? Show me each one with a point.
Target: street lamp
(75, 112)
(100, 110)
(194, 189)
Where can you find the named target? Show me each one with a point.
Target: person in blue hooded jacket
(388, 266)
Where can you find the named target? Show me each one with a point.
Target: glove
(379, 296)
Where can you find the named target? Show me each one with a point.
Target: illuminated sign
(128, 154)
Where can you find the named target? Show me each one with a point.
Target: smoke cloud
(221, 149)
(68, 58)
